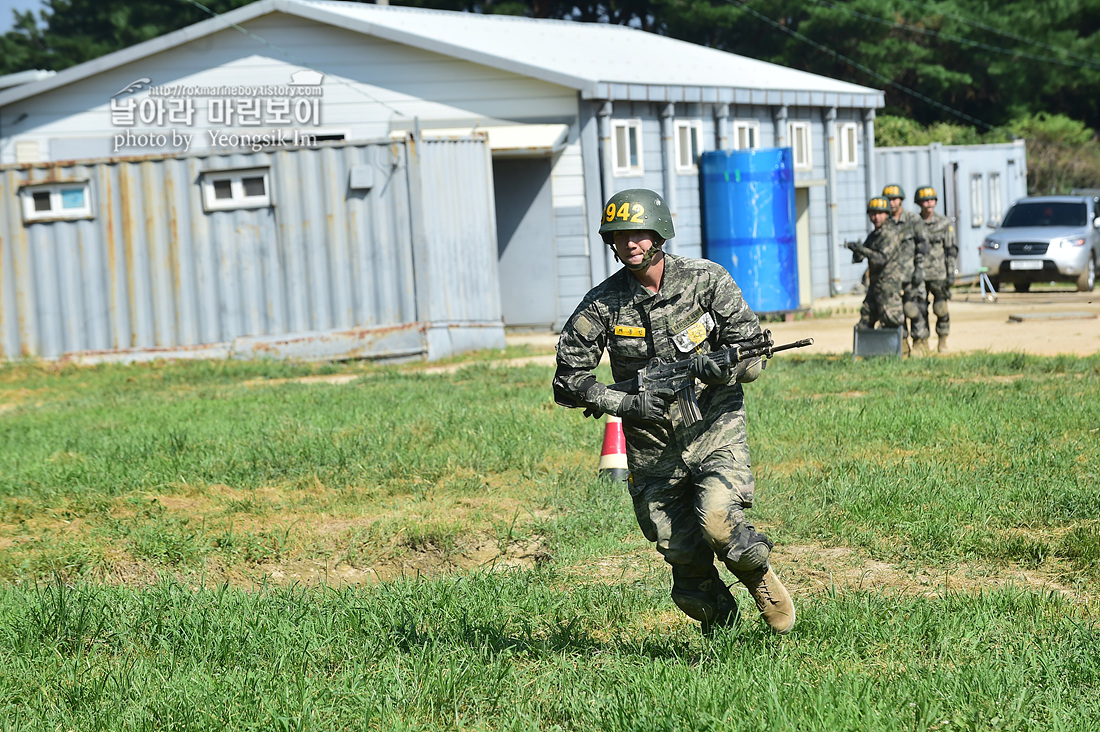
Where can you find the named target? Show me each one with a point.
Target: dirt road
(1041, 323)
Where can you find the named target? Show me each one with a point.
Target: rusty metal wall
(331, 269)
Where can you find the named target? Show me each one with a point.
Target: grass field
(249, 546)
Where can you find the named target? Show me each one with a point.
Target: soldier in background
(690, 485)
(889, 268)
(939, 265)
(915, 249)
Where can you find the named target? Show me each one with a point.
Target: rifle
(676, 375)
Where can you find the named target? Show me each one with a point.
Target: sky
(6, 6)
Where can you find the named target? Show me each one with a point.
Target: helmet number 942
(627, 212)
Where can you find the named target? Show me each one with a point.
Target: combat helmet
(893, 191)
(925, 193)
(878, 205)
(637, 209)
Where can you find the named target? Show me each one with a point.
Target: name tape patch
(629, 331)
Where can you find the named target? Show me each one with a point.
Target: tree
(69, 32)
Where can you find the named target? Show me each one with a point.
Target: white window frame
(847, 149)
(977, 201)
(623, 128)
(238, 199)
(687, 160)
(57, 211)
(751, 128)
(995, 207)
(795, 131)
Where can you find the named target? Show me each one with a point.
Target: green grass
(145, 510)
(515, 650)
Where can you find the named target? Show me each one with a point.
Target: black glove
(918, 277)
(951, 277)
(652, 406)
(593, 412)
(704, 368)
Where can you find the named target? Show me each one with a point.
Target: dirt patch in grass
(810, 568)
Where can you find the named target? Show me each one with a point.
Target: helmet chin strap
(647, 258)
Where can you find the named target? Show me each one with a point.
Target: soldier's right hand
(651, 406)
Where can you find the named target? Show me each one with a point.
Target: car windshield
(1046, 214)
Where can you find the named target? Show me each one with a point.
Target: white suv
(1045, 239)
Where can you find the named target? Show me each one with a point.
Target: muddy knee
(747, 550)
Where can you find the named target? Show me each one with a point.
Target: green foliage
(1062, 153)
(69, 32)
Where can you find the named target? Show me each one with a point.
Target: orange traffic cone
(613, 454)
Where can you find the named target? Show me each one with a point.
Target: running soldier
(690, 485)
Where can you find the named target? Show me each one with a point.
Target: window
(57, 201)
(689, 144)
(746, 135)
(232, 189)
(977, 209)
(847, 157)
(995, 199)
(798, 137)
(626, 147)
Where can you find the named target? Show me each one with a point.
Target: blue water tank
(749, 223)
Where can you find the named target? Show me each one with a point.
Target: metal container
(372, 250)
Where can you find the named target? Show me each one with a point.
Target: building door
(802, 234)
(525, 242)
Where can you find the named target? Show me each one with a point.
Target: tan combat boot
(920, 346)
(905, 348)
(941, 344)
(771, 597)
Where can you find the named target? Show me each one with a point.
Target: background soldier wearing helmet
(889, 267)
(690, 485)
(939, 265)
(914, 249)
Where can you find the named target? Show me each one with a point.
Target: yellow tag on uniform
(691, 336)
(630, 332)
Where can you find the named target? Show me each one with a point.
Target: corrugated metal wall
(328, 270)
(976, 185)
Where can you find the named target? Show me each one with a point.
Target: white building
(574, 113)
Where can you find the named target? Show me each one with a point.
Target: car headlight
(991, 244)
(1069, 241)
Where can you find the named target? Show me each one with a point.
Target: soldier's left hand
(918, 277)
(704, 368)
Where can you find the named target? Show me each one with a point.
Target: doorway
(526, 261)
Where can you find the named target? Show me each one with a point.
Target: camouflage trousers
(882, 304)
(696, 517)
(940, 293)
(915, 305)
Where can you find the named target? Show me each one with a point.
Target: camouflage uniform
(939, 270)
(689, 485)
(890, 268)
(913, 252)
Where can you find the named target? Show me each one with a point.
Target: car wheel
(1087, 280)
(1022, 286)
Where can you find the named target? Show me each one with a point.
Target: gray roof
(23, 77)
(601, 61)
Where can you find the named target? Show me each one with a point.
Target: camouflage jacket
(698, 309)
(883, 249)
(914, 245)
(943, 249)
